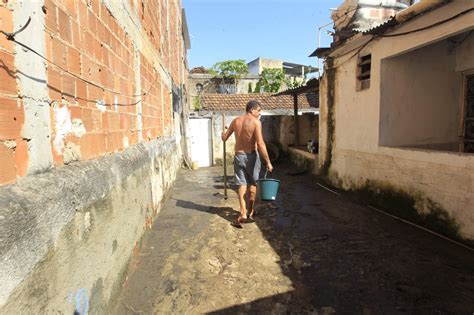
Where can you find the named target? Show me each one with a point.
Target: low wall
(304, 160)
(67, 235)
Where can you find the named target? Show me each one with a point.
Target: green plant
(250, 90)
(229, 69)
(293, 83)
(271, 79)
(196, 102)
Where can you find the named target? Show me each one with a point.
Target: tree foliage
(295, 83)
(230, 69)
(271, 79)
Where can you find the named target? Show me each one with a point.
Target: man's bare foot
(252, 213)
(239, 221)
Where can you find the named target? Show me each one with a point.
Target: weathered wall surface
(276, 129)
(70, 232)
(89, 144)
(106, 85)
(403, 117)
(435, 183)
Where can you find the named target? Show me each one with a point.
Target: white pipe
(319, 45)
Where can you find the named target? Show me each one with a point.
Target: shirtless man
(248, 143)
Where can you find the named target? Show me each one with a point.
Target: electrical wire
(11, 37)
(428, 26)
(359, 49)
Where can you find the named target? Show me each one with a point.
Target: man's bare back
(248, 135)
(245, 139)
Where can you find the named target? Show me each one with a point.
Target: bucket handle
(266, 172)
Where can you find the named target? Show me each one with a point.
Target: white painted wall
(442, 177)
(420, 98)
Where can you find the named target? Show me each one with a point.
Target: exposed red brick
(74, 60)
(82, 15)
(76, 35)
(57, 158)
(7, 73)
(11, 119)
(86, 115)
(92, 145)
(54, 84)
(21, 157)
(89, 44)
(76, 112)
(6, 24)
(91, 21)
(64, 25)
(58, 52)
(94, 93)
(96, 120)
(51, 19)
(71, 7)
(97, 49)
(114, 141)
(113, 121)
(105, 57)
(95, 6)
(68, 83)
(7, 165)
(81, 92)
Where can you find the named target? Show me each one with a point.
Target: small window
(363, 72)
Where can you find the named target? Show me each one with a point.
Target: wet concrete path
(310, 252)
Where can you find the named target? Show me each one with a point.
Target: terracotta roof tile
(237, 102)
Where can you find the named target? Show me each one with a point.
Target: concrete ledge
(304, 160)
(72, 230)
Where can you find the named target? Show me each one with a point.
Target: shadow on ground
(344, 258)
(340, 256)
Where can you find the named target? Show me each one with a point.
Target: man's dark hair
(252, 105)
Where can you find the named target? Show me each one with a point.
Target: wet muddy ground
(311, 251)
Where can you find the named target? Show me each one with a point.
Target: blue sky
(247, 29)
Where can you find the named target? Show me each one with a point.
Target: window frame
(363, 77)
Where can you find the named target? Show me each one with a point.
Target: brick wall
(108, 83)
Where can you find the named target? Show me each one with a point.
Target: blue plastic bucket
(268, 188)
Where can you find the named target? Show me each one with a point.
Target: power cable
(11, 37)
(428, 26)
(400, 34)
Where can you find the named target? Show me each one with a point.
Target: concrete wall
(351, 121)
(403, 117)
(281, 129)
(89, 145)
(256, 66)
(69, 234)
(276, 129)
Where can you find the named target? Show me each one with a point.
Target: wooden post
(295, 111)
(224, 158)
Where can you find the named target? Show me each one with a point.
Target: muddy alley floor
(310, 252)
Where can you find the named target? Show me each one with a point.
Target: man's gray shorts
(246, 168)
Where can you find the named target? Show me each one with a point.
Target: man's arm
(227, 133)
(262, 148)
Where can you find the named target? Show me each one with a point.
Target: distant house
(397, 114)
(201, 82)
(291, 70)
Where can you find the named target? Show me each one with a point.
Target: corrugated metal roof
(381, 28)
